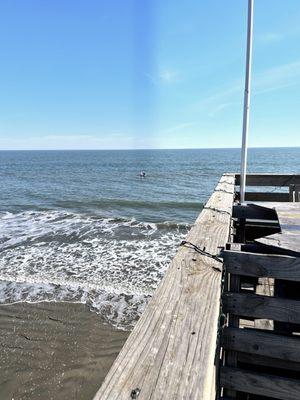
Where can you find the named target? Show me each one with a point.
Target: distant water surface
(83, 226)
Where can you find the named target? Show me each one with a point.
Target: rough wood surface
(288, 243)
(270, 179)
(170, 354)
(260, 384)
(256, 306)
(262, 265)
(265, 286)
(265, 361)
(233, 321)
(262, 343)
(288, 240)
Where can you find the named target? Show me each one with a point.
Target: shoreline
(54, 350)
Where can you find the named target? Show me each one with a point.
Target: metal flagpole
(246, 102)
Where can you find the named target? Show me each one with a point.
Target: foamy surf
(113, 265)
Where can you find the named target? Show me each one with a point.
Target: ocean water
(82, 226)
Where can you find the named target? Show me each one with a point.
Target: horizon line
(151, 149)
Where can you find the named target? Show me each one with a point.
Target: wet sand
(54, 351)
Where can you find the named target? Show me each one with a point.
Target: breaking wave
(111, 264)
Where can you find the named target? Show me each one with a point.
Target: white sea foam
(112, 265)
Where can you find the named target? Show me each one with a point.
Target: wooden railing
(171, 352)
(262, 275)
(287, 181)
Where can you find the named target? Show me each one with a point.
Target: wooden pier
(225, 321)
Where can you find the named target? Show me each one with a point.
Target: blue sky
(146, 74)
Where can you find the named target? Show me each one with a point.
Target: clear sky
(91, 74)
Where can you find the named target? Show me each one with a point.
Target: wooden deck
(182, 347)
(288, 239)
(261, 343)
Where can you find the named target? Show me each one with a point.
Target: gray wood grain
(288, 240)
(262, 343)
(256, 306)
(170, 354)
(255, 359)
(260, 384)
(262, 265)
(265, 286)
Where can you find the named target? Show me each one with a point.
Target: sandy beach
(54, 351)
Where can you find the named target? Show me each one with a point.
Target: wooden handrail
(269, 179)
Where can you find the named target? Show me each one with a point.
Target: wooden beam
(260, 224)
(262, 343)
(265, 361)
(260, 384)
(265, 287)
(256, 306)
(294, 193)
(253, 211)
(270, 179)
(266, 196)
(262, 265)
(245, 247)
(287, 242)
(170, 353)
(254, 232)
(233, 321)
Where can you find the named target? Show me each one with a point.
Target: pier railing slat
(270, 180)
(257, 306)
(262, 343)
(170, 354)
(261, 384)
(262, 265)
(256, 360)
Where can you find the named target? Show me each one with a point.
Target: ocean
(82, 226)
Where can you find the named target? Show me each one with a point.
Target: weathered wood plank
(255, 359)
(265, 286)
(170, 353)
(256, 306)
(269, 179)
(262, 343)
(288, 243)
(288, 240)
(254, 211)
(262, 265)
(279, 206)
(233, 321)
(260, 384)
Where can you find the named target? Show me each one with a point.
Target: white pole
(246, 101)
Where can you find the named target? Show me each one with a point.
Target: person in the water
(142, 174)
